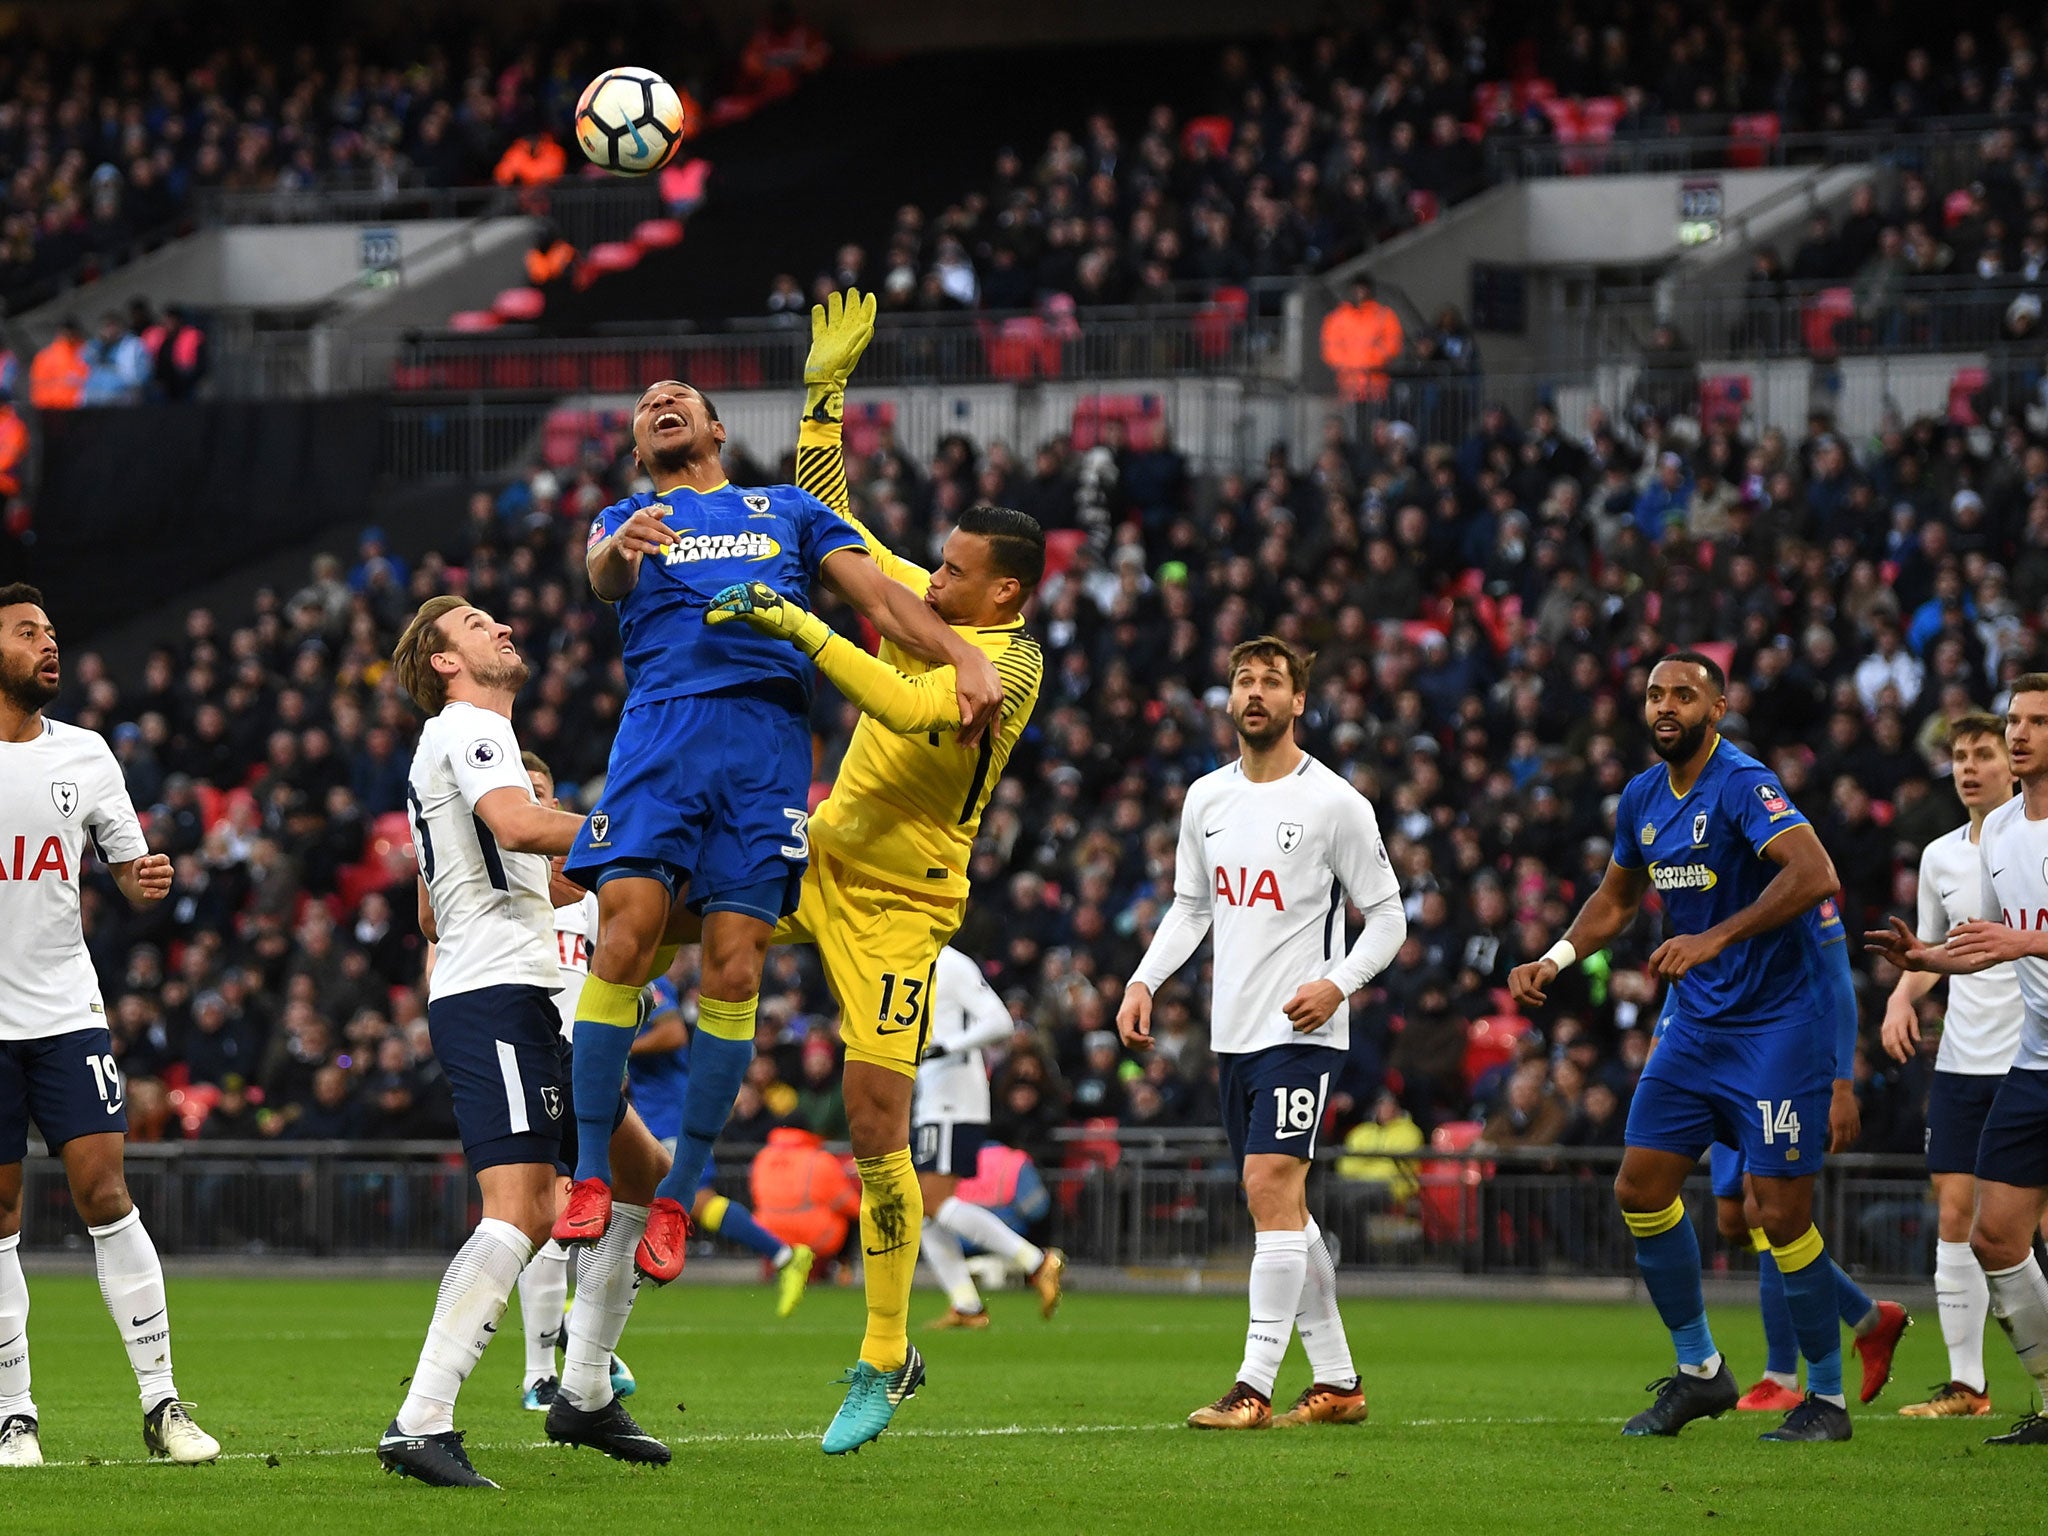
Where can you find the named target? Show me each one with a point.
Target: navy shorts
(1273, 1099)
(1764, 1091)
(2014, 1147)
(1957, 1105)
(1724, 1164)
(948, 1147)
(508, 1068)
(67, 1083)
(709, 790)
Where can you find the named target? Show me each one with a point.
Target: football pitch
(1486, 1416)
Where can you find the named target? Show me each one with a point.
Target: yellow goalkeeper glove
(768, 611)
(841, 328)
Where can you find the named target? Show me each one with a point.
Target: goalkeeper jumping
(887, 883)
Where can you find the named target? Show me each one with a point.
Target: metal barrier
(466, 439)
(1945, 152)
(1827, 320)
(1161, 1200)
(588, 212)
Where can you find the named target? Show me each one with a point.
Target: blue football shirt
(1704, 851)
(660, 1079)
(777, 534)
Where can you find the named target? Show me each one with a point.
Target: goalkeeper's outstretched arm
(908, 706)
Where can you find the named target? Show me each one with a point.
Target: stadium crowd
(1484, 612)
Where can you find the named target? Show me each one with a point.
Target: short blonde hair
(413, 656)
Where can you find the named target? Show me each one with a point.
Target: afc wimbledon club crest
(1290, 836)
(600, 828)
(66, 796)
(1699, 829)
(756, 504)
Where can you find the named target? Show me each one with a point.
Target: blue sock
(596, 1078)
(1816, 1319)
(1781, 1344)
(1670, 1262)
(717, 1068)
(1853, 1301)
(736, 1224)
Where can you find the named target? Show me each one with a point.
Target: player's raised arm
(1178, 935)
(613, 559)
(1805, 878)
(902, 616)
(1611, 908)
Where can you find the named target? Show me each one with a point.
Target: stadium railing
(587, 212)
(1943, 150)
(1130, 1199)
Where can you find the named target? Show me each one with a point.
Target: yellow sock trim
(728, 1021)
(1800, 1252)
(664, 957)
(714, 1214)
(608, 1002)
(1650, 1223)
(1758, 1241)
(891, 1216)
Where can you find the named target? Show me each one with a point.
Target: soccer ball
(630, 121)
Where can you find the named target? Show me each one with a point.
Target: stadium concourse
(1484, 612)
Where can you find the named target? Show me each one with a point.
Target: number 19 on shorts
(1779, 1120)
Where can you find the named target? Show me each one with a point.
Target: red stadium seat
(613, 256)
(515, 305)
(1425, 205)
(1821, 318)
(1062, 547)
(1143, 416)
(1956, 207)
(1963, 390)
(658, 234)
(1449, 1194)
(1016, 348)
(472, 320)
(1490, 1042)
(866, 424)
(1217, 323)
(1751, 136)
(1723, 398)
(192, 1104)
(1214, 131)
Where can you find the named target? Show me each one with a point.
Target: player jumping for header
(65, 794)
(704, 806)
(1269, 849)
(1749, 1055)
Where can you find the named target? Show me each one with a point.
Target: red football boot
(660, 1254)
(1767, 1396)
(586, 1214)
(1877, 1347)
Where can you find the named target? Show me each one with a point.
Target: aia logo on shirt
(1250, 890)
(15, 863)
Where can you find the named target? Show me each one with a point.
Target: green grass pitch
(1487, 1416)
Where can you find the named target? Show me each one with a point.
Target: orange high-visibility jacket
(1360, 342)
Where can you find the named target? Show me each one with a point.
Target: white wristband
(1561, 955)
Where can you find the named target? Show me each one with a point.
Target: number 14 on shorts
(1779, 1120)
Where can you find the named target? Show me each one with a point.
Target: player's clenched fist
(1134, 1017)
(981, 696)
(153, 877)
(644, 533)
(1527, 982)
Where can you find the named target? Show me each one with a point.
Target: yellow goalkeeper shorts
(879, 945)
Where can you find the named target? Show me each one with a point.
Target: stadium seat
(468, 320)
(1449, 1197)
(1214, 132)
(1822, 317)
(1016, 349)
(1425, 205)
(658, 234)
(1963, 391)
(1217, 323)
(192, 1104)
(1490, 1042)
(1062, 547)
(613, 256)
(1751, 136)
(1956, 207)
(1723, 399)
(517, 305)
(866, 424)
(1143, 416)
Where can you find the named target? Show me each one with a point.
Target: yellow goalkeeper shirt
(905, 809)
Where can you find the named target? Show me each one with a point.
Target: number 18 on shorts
(1273, 1100)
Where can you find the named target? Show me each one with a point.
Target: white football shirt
(491, 907)
(575, 932)
(1268, 866)
(2014, 857)
(1981, 1030)
(966, 1015)
(59, 794)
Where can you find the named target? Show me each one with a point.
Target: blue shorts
(1958, 1103)
(709, 790)
(948, 1147)
(1724, 1164)
(1763, 1091)
(68, 1083)
(2014, 1147)
(508, 1070)
(1273, 1099)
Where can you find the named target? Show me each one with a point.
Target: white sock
(1964, 1297)
(14, 1394)
(606, 1282)
(1708, 1368)
(543, 1287)
(1279, 1271)
(2019, 1300)
(1318, 1321)
(1786, 1379)
(987, 1231)
(132, 1281)
(941, 1249)
(473, 1297)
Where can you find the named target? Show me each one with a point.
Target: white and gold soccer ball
(631, 121)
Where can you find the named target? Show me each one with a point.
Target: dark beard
(26, 690)
(667, 461)
(1690, 739)
(510, 676)
(1271, 734)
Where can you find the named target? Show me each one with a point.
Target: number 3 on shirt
(1779, 1120)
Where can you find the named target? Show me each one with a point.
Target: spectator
(533, 159)
(803, 1194)
(1390, 1130)
(117, 364)
(57, 376)
(1361, 341)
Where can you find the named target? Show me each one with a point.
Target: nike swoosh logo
(1996, 873)
(876, 1253)
(490, 1327)
(884, 1029)
(138, 1322)
(15, 1340)
(1288, 1135)
(1212, 832)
